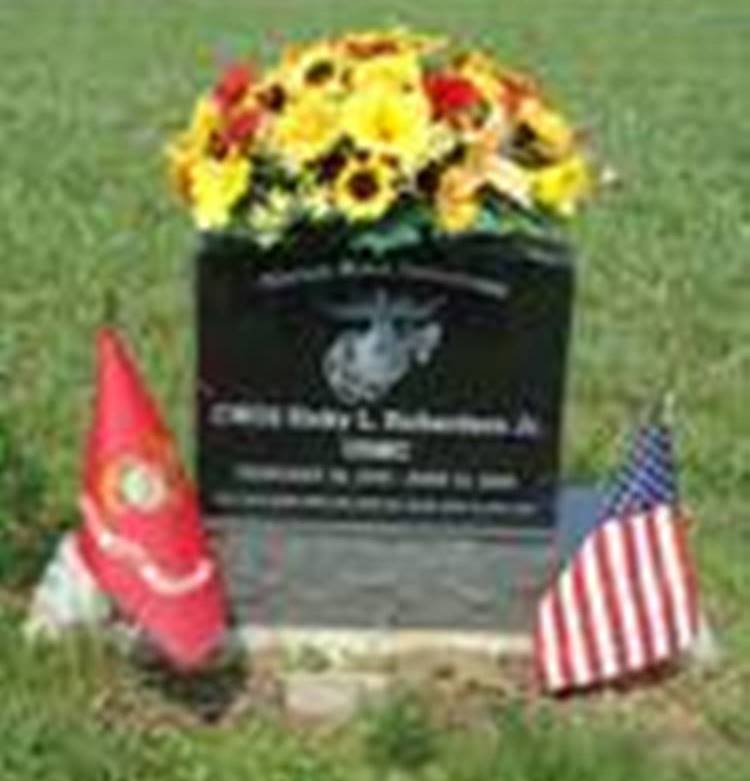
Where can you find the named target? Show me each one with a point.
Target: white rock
(705, 652)
(330, 696)
(66, 597)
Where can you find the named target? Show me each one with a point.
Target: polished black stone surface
(423, 389)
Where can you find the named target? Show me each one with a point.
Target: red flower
(450, 93)
(243, 126)
(233, 85)
(240, 128)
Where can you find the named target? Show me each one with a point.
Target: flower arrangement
(373, 129)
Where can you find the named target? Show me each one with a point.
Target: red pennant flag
(142, 537)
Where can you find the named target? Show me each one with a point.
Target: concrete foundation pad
(341, 646)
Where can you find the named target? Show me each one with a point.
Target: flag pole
(704, 651)
(668, 407)
(662, 409)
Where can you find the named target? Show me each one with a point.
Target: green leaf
(405, 226)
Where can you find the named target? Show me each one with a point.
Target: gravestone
(379, 437)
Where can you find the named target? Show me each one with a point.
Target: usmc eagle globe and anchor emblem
(387, 337)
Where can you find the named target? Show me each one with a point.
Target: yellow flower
(392, 71)
(560, 187)
(457, 200)
(483, 72)
(216, 186)
(181, 159)
(190, 146)
(457, 216)
(385, 122)
(365, 189)
(314, 67)
(552, 134)
(307, 128)
(206, 119)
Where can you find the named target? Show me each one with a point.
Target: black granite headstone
(378, 438)
(421, 389)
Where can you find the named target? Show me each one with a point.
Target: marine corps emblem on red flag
(142, 537)
(140, 480)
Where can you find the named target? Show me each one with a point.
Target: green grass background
(90, 90)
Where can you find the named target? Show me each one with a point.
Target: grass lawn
(90, 89)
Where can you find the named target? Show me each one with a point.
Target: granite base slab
(395, 577)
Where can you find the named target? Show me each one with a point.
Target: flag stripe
(579, 661)
(550, 666)
(632, 565)
(679, 533)
(588, 627)
(674, 576)
(649, 587)
(615, 609)
(602, 629)
(635, 648)
(561, 629)
(663, 592)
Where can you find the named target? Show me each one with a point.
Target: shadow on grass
(209, 694)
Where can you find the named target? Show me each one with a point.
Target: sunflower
(307, 128)
(365, 188)
(216, 186)
(190, 146)
(205, 121)
(562, 186)
(550, 133)
(483, 72)
(181, 159)
(319, 66)
(389, 123)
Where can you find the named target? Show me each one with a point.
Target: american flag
(627, 601)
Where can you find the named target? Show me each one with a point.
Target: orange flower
(457, 200)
